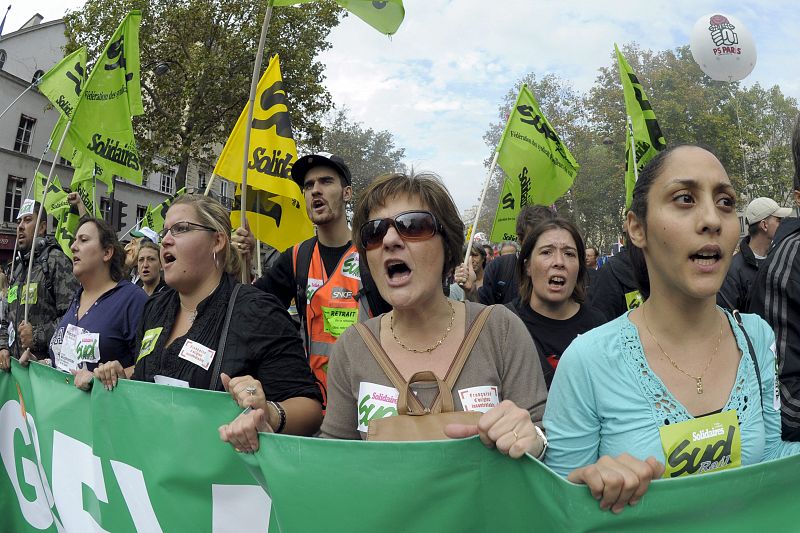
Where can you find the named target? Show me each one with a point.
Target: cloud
(438, 82)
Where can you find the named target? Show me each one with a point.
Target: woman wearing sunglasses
(208, 332)
(409, 231)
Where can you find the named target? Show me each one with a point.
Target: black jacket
(613, 287)
(735, 290)
(262, 342)
(500, 283)
(775, 296)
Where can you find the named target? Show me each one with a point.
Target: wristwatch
(544, 441)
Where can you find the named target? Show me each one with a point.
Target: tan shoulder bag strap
(463, 352)
(386, 365)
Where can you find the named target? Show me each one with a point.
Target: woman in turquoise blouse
(670, 388)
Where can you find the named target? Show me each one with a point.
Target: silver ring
(251, 390)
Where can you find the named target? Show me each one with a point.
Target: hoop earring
(214, 255)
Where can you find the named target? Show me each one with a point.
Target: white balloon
(723, 47)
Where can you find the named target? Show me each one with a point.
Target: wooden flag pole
(480, 205)
(250, 107)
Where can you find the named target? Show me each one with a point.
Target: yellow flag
(277, 215)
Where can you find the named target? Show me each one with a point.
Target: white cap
(26, 209)
(761, 208)
(146, 233)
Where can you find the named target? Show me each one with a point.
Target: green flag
(154, 217)
(101, 124)
(539, 168)
(646, 131)
(62, 83)
(55, 202)
(385, 16)
(54, 199)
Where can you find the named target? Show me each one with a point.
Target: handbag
(415, 422)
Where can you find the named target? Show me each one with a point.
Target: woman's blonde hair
(212, 214)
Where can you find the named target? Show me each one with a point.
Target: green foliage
(745, 128)
(208, 48)
(368, 153)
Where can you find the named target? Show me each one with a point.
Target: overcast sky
(437, 83)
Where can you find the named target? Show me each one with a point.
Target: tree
(368, 153)
(562, 106)
(204, 52)
(749, 130)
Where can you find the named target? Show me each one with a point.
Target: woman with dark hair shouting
(552, 273)
(676, 386)
(100, 324)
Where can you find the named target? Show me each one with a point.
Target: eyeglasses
(411, 225)
(182, 227)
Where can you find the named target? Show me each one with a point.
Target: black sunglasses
(411, 225)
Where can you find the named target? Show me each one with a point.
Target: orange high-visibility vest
(331, 306)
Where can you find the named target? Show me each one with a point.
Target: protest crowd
(393, 326)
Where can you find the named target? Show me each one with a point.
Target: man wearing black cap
(323, 273)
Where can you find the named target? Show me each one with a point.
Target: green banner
(647, 134)
(147, 457)
(539, 168)
(142, 457)
(461, 486)
(101, 124)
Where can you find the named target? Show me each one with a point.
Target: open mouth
(707, 256)
(557, 281)
(168, 258)
(316, 204)
(397, 270)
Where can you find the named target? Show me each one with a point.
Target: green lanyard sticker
(30, 294)
(12, 294)
(149, 342)
(338, 319)
(701, 445)
(633, 299)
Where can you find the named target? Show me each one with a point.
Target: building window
(37, 76)
(64, 162)
(141, 211)
(15, 192)
(24, 134)
(168, 181)
(201, 180)
(223, 188)
(105, 209)
(3, 56)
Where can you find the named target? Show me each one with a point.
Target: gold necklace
(698, 379)
(436, 345)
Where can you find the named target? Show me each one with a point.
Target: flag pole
(36, 226)
(633, 150)
(210, 183)
(250, 106)
(28, 88)
(480, 204)
(28, 195)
